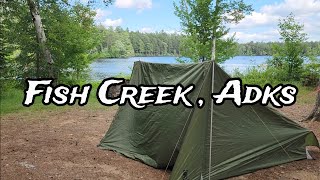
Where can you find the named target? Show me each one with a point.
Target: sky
(260, 26)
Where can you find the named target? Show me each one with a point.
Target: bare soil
(62, 145)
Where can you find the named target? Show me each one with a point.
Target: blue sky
(261, 25)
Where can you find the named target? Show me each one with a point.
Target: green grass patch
(306, 95)
(124, 76)
(11, 100)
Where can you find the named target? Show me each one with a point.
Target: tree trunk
(41, 36)
(214, 39)
(315, 113)
(213, 50)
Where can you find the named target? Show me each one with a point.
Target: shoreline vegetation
(169, 55)
(123, 43)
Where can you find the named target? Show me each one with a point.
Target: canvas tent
(213, 142)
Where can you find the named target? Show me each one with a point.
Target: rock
(27, 165)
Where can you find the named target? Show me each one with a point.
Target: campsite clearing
(63, 145)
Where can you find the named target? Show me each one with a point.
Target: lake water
(103, 68)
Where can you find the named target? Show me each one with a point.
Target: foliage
(265, 48)
(261, 76)
(255, 49)
(204, 21)
(311, 69)
(290, 56)
(117, 42)
(311, 72)
(70, 32)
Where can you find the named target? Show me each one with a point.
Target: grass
(306, 95)
(11, 102)
(11, 99)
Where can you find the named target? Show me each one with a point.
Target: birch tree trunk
(41, 36)
(315, 113)
(213, 50)
(214, 38)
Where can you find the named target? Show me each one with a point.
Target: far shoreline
(100, 58)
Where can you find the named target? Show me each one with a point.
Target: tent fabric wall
(145, 135)
(243, 139)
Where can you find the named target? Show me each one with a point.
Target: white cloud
(256, 27)
(153, 30)
(146, 30)
(256, 19)
(101, 13)
(112, 23)
(172, 31)
(136, 4)
(265, 36)
(301, 7)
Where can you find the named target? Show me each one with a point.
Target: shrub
(311, 73)
(262, 76)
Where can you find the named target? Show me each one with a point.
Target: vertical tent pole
(213, 58)
(211, 114)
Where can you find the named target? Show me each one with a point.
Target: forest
(117, 42)
(120, 43)
(266, 48)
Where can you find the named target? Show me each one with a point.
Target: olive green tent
(212, 142)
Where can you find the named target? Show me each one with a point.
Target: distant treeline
(117, 42)
(265, 48)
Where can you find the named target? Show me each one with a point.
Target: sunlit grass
(306, 95)
(11, 102)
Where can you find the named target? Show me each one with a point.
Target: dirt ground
(62, 145)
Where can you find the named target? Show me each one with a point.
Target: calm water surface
(104, 68)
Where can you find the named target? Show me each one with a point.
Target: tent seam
(189, 116)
